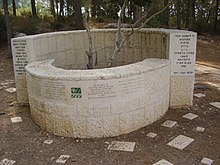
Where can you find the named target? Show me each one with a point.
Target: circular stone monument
(68, 100)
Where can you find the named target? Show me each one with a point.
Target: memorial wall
(155, 70)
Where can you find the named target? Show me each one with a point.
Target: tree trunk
(94, 11)
(129, 9)
(14, 7)
(178, 22)
(68, 8)
(137, 13)
(57, 8)
(191, 13)
(52, 8)
(166, 15)
(78, 14)
(33, 8)
(8, 26)
(215, 21)
(61, 7)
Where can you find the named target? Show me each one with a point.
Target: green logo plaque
(76, 92)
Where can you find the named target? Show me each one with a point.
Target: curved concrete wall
(108, 102)
(70, 101)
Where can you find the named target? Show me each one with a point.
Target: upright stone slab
(21, 50)
(182, 56)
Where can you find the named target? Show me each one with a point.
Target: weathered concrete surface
(136, 93)
(111, 102)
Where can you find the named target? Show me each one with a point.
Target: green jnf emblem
(76, 93)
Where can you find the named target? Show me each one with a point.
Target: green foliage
(24, 12)
(56, 25)
(100, 19)
(27, 25)
(142, 2)
(201, 26)
(106, 12)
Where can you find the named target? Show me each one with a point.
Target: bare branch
(119, 22)
(117, 48)
(90, 51)
(119, 37)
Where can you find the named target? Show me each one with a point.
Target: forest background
(40, 16)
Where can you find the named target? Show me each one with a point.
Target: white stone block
(7, 162)
(95, 126)
(126, 122)
(52, 45)
(199, 95)
(122, 146)
(149, 114)
(216, 104)
(139, 118)
(200, 129)
(190, 116)
(62, 159)
(207, 161)
(48, 142)
(162, 162)
(169, 123)
(180, 142)
(151, 134)
(44, 46)
(111, 125)
(16, 119)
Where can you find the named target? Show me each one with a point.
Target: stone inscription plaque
(131, 85)
(182, 53)
(101, 91)
(20, 56)
(54, 90)
(36, 86)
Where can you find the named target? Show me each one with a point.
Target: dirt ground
(23, 141)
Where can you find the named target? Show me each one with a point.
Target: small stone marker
(48, 141)
(7, 162)
(16, 119)
(10, 90)
(207, 161)
(200, 129)
(121, 146)
(163, 162)
(199, 95)
(190, 116)
(151, 134)
(180, 142)
(169, 123)
(216, 104)
(62, 159)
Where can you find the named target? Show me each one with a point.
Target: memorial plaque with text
(182, 53)
(20, 57)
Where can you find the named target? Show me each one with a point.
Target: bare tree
(8, 26)
(120, 42)
(89, 53)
